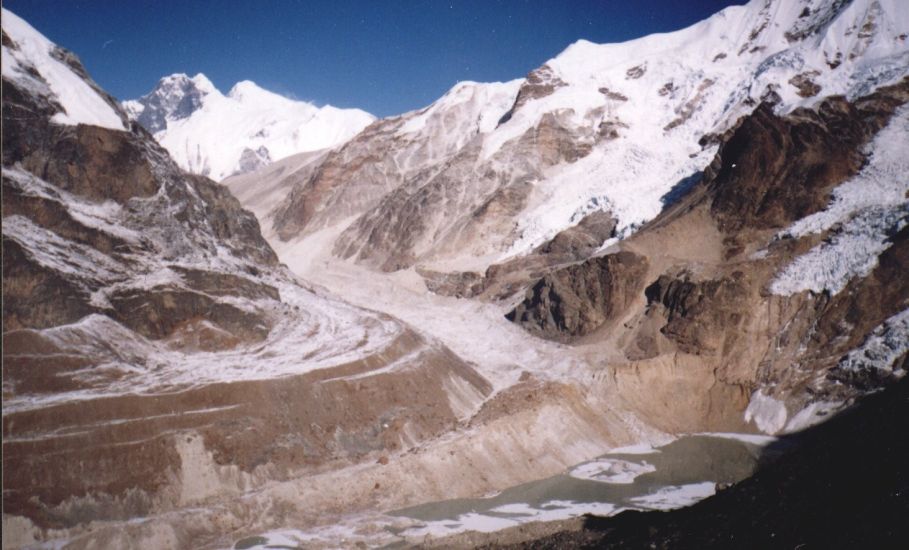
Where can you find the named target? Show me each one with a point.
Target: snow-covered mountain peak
(181, 81)
(475, 106)
(247, 90)
(218, 135)
(175, 97)
(204, 84)
(54, 74)
(834, 37)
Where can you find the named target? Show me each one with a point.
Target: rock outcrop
(720, 298)
(578, 300)
(777, 170)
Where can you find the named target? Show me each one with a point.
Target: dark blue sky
(384, 56)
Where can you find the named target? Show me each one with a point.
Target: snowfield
(669, 90)
(81, 103)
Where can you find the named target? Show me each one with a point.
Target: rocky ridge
(611, 128)
(156, 355)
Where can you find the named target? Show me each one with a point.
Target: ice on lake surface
(679, 474)
(675, 475)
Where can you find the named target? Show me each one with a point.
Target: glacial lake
(677, 474)
(674, 475)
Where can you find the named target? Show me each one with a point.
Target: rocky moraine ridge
(156, 354)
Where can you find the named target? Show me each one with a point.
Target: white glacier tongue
(882, 348)
(219, 135)
(31, 53)
(864, 212)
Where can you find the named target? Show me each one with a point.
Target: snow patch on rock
(881, 348)
(767, 413)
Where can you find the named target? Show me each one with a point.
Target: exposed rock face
(474, 207)
(702, 317)
(86, 160)
(841, 340)
(500, 281)
(717, 299)
(174, 98)
(83, 166)
(806, 86)
(582, 240)
(777, 170)
(400, 152)
(253, 160)
(538, 83)
(580, 299)
(51, 300)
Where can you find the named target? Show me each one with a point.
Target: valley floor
(477, 332)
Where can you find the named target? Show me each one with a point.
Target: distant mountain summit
(219, 135)
(176, 97)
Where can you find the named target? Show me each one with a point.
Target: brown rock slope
(155, 353)
(695, 282)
